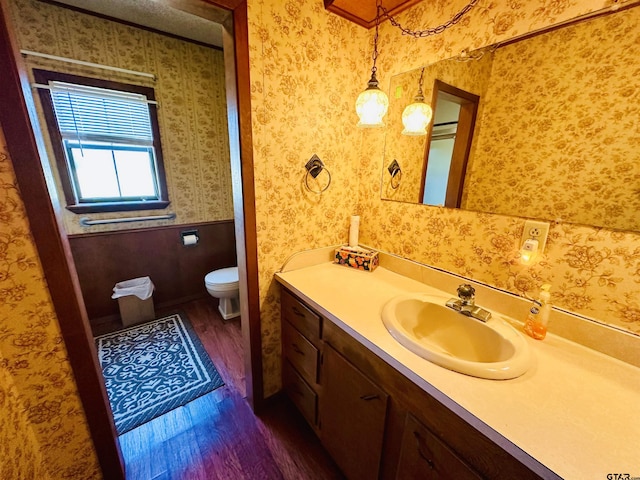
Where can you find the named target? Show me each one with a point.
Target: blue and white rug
(152, 368)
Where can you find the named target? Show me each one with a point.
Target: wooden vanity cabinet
(470, 448)
(425, 456)
(375, 422)
(352, 417)
(301, 349)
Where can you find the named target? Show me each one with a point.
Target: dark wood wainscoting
(177, 271)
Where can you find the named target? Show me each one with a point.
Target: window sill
(118, 207)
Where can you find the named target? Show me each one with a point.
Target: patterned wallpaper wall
(306, 71)
(190, 90)
(307, 68)
(38, 394)
(594, 271)
(562, 110)
(20, 455)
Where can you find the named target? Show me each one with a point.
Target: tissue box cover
(362, 259)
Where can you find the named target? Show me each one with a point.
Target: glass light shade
(416, 118)
(371, 106)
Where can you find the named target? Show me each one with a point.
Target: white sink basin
(423, 324)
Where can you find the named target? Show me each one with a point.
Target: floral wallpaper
(472, 77)
(306, 71)
(547, 120)
(189, 87)
(20, 456)
(43, 428)
(307, 68)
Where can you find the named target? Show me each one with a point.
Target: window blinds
(89, 113)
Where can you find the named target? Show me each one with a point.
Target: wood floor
(217, 436)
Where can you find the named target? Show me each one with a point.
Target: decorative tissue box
(362, 259)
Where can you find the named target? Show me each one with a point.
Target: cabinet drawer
(300, 316)
(424, 456)
(300, 393)
(302, 354)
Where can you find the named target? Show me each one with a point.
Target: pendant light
(417, 116)
(372, 104)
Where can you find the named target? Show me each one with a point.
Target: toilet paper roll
(190, 240)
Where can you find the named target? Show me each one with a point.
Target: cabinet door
(424, 457)
(352, 417)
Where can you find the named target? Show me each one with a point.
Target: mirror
(557, 129)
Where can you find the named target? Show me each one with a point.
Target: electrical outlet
(536, 230)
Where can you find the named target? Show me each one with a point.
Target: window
(106, 143)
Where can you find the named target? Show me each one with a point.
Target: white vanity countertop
(575, 410)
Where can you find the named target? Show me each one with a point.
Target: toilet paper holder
(189, 238)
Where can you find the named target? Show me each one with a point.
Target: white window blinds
(98, 114)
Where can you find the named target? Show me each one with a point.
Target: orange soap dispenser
(536, 324)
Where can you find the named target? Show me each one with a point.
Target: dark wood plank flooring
(217, 436)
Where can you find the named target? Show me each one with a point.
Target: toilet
(223, 284)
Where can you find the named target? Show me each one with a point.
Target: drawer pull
(297, 349)
(366, 398)
(298, 312)
(419, 447)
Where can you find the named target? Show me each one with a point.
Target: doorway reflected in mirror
(449, 145)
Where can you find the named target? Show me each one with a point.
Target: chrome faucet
(465, 304)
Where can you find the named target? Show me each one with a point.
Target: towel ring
(396, 174)
(314, 167)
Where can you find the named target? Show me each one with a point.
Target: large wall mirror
(556, 134)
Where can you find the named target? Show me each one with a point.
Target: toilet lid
(223, 277)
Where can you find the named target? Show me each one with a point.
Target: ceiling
(364, 12)
(191, 19)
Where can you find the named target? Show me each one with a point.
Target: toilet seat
(224, 279)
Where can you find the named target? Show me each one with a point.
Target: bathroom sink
(423, 324)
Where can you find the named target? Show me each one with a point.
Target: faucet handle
(466, 293)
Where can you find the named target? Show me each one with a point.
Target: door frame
(26, 149)
(462, 145)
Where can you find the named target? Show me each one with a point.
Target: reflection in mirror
(396, 174)
(449, 145)
(410, 152)
(557, 125)
(440, 150)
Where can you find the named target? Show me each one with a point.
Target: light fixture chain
(429, 31)
(420, 94)
(375, 40)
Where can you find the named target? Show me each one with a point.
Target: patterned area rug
(152, 368)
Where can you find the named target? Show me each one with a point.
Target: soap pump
(536, 323)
